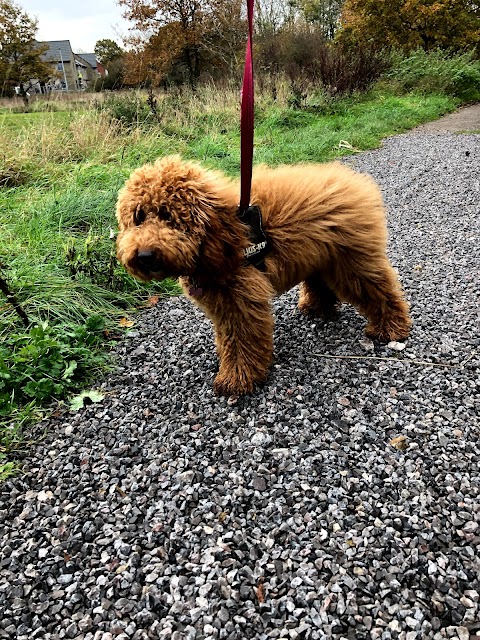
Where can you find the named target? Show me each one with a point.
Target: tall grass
(58, 252)
(57, 138)
(53, 101)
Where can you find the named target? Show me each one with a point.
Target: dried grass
(83, 136)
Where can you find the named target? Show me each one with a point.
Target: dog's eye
(139, 216)
(163, 213)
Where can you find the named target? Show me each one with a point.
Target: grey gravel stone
(166, 512)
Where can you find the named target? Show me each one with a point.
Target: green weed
(7, 469)
(48, 361)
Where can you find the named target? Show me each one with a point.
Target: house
(91, 58)
(70, 71)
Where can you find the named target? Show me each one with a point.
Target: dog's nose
(146, 257)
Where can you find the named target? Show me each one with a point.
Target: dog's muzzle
(148, 263)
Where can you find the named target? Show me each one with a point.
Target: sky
(83, 22)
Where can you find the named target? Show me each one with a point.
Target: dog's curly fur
(326, 226)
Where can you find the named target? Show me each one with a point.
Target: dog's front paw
(389, 332)
(232, 385)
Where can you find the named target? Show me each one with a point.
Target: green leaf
(85, 398)
(72, 365)
(95, 323)
(39, 389)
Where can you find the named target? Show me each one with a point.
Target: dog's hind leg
(373, 288)
(317, 299)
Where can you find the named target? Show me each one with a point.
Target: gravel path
(340, 501)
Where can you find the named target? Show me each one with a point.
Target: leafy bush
(108, 83)
(48, 361)
(130, 109)
(436, 72)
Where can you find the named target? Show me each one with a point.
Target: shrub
(311, 62)
(436, 71)
(93, 258)
(108, 83)
(130, 109)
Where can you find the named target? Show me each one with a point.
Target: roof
(57, 50)
(80, 62)
(91, 58)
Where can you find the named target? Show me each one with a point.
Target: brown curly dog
(326, 229)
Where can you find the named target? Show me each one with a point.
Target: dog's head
(164, 213)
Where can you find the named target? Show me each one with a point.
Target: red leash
(250, 215)
(246, 119)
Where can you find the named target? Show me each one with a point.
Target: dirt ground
(465, 120)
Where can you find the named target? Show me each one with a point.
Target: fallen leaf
(85, 398)
(112, 336)
(125, 322)
(66, 556)
(113, 564)
(152, 301)
(400, 443)
(120, 491)
(344, 144)
(260, 591)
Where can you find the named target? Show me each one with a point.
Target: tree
(202, 30)
(149, 16)
(271, 16)
(410, 24)
(112, 57)
(20, 54)
(324, 13)
(149, 62)
(107, 51)
(224, 36)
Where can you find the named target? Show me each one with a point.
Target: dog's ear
(222, 243)
(186, 191)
